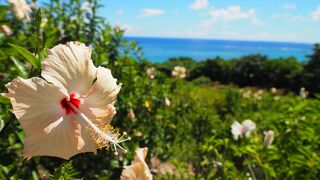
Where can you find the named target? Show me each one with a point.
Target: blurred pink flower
(268, 138)
(5, 30)
(131, 114)
(20, 8)
(69, 111)
(243, 129)
(33, 5)
(139, 168)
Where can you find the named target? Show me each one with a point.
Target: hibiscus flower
(70, 110)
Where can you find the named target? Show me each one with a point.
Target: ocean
(161, 49)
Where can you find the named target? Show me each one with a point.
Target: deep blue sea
(161, 49)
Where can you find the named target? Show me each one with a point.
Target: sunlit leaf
(27, 54)
(3, 99)
(22, 70)
(2, 124)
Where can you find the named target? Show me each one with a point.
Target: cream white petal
(268, 139)
(141, 154)
(65, 138)
(236, 129)
(36, 104)
(249, 125)
(96, 115)
(102, 95)
(70, 66)
(139, 168)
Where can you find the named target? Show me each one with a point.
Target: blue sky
(270, 20)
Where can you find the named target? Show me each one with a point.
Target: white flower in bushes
(5, 30)
(303, 93)
(268, 138)
(167, 102)
(151, 72)
(179, 72)
(20, 9)
(243, 129)
(273, 90)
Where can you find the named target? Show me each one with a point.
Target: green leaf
(43, 54)
(64, 172)
(22, 70)
(35, 175)
(2, 124)
(4, 100)
(28, 55)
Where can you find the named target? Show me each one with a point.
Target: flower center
(103, 137)
(73, 100)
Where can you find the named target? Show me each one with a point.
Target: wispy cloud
(315, 15)
(232, 13)
(289, 5)
(199, 4)
(151, 12)
(289, 17)
(120, 12)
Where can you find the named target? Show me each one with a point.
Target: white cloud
(296, 18)
(289, 5)
(232, 13)
(151, 12)
(256, 21)
(120, 13)
(289, 17)
(176, 11)
(275, 16)
(315, 15)
(199, 4)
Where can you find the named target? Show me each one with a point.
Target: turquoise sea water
(161, 49)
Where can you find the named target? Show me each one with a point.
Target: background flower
(20, 8)
(268, 138)
(179, 72)
(139, 168)
(151, 72)
(243, 129)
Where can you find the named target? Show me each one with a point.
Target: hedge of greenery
(255, 70)
(185, 125)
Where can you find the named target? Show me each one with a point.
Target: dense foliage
(185, 125)
(254, 70)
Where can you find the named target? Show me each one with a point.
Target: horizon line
(218, 39)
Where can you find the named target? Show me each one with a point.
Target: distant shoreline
(213, 39)
(157, 49)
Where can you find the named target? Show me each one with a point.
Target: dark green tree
(311, 78)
